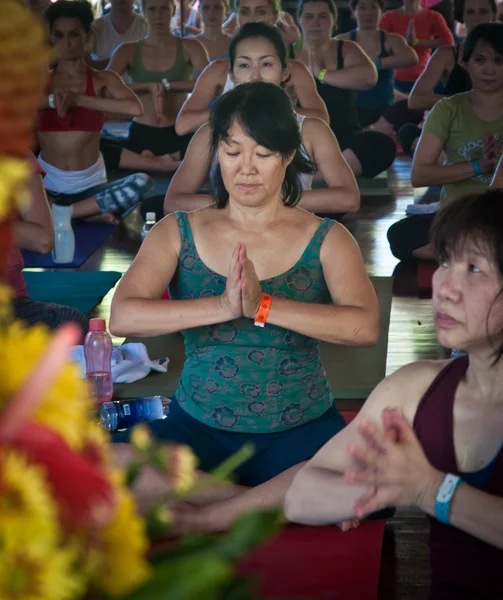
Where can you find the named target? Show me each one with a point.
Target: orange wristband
(263, 310)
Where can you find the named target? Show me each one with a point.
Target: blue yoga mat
(79, 289)
(88, 238)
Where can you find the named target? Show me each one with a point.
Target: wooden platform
(405, 569)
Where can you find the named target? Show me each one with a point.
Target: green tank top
(243, 378)
(180, 71)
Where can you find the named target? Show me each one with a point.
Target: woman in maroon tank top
(433, 431)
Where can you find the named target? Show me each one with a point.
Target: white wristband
(166, 84)
(52, 101)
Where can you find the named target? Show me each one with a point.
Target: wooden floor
(405, 572)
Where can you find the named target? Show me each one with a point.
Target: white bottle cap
(150, 216)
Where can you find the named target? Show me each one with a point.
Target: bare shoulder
(343, 36)
(298, 70)
(192, 44)
(167, 229)
(127, 49)
(314, 126)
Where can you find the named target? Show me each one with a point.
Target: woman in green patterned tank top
(241, 382)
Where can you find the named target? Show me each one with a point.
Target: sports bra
(180, 71)
(77, 119)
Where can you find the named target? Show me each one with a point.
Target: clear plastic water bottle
(149, 223)
(98, 353)
(124, 414)
(64, 238)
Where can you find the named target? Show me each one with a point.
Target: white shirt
(106, 38)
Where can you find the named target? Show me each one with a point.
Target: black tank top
(459, 80)
(463, 567)
(341, 104)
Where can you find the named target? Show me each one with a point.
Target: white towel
(130, 362)
(422, 209)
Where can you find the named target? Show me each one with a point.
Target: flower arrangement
(69, 526)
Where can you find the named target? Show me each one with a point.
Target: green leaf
(239, 589)
(249, 530)
(225, 469)
(186, 579)
(133, 470)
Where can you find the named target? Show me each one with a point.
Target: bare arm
(342, 193)
(473, 511)
(353, 318)
(422, 95)
(310, 102)
(35, 231)
(402, 55)
(230, 25)
(425, 167)
(136, 307)
(359, 72)
(319, 494)
(182, 191)
(195, 111)
(497, 181)
(120, 99)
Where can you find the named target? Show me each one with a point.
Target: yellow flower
(33, 569)
(25, 500)
(182, 466)
(6, 295)
(141, 438)
(65, 405)
(14, 175)
(123, 566)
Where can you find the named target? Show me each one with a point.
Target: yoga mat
(425, 270)
(88, 238)
(79, 289)
(319, 562)
(352, 372)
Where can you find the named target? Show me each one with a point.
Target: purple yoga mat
(88, 238)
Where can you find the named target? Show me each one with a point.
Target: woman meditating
(254, 282)
(216, 80)
(161, 70)
(423, 29)
(215, 41)
(468, 129)
(445, 73)
(431, 434)
(389, 51)
(250, 45)
(71, 118)
(250, 11)
(341, 68)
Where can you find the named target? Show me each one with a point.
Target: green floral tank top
(249, 379)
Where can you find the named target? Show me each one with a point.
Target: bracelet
(263, 310)
(321, 76)
(476, 167)
(377, 63)
(166, 84)
(51, 101)
(444, 497)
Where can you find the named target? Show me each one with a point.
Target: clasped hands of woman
(393, 464)
(243, 293)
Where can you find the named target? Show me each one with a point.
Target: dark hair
(256, 30)
(70, 9)
(331, 7)
(477, 218)
(459, 9)
(492, 33)
(266, 114)
(354, 3)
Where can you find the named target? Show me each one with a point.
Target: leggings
(397, 114)
(52, 315)
(159, 140)
(408, 235)
(274, 452)
(376, 151)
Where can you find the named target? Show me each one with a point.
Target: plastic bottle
(124, 414)
(64, 238)
(98, 353)
(149, 223)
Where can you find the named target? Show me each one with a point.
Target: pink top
(428, 24)
(15, 265)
